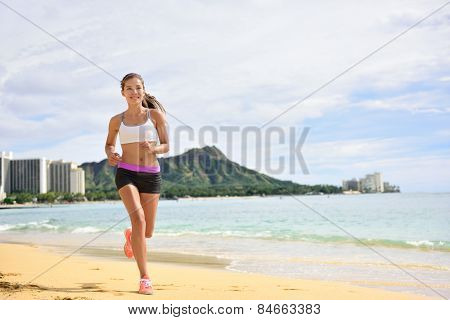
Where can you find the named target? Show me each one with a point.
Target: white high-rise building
(372, 183)
(350, 185)
(59, 176)
(66, 177)
(5, 159)
(28, 175)
(77, 181)
(379, 185)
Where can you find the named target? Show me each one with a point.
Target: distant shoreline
(48, 205)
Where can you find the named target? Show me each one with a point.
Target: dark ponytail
(151, 103)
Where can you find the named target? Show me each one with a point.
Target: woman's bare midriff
(134, 154)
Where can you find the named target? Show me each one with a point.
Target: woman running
(143, 135)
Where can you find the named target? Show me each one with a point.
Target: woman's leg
(131, 200)
(149, 202)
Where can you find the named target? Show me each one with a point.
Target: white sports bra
(138, 133)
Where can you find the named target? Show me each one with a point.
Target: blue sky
(238, 64)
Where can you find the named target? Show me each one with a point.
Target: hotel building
(39, 176)
(370, 183)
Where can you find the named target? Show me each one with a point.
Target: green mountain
(202, 172)
(208, 166)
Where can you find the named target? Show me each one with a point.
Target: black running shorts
(145, 182)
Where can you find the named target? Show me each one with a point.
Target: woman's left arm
(160, 119)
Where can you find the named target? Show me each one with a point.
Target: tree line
(172, 192)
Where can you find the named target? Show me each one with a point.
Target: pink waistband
(138, 168)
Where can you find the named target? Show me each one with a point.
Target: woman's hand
(148, 146)
(114, 158)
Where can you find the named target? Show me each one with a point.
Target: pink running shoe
(145, 286)
(127, 248)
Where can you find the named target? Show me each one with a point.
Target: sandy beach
(98, 278)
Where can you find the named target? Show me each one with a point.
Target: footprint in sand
(5, 285)
(236, 288)
(35, 286)
(71, 298)
(10, 274)
(286, 289)
(165, 287)
(92, 285)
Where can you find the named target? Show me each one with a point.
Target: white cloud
(443, 132)
(415, 101)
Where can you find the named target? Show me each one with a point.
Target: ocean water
(398, 242)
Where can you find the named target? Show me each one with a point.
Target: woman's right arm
(110, 146)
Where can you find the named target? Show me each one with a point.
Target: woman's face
(133, 91)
